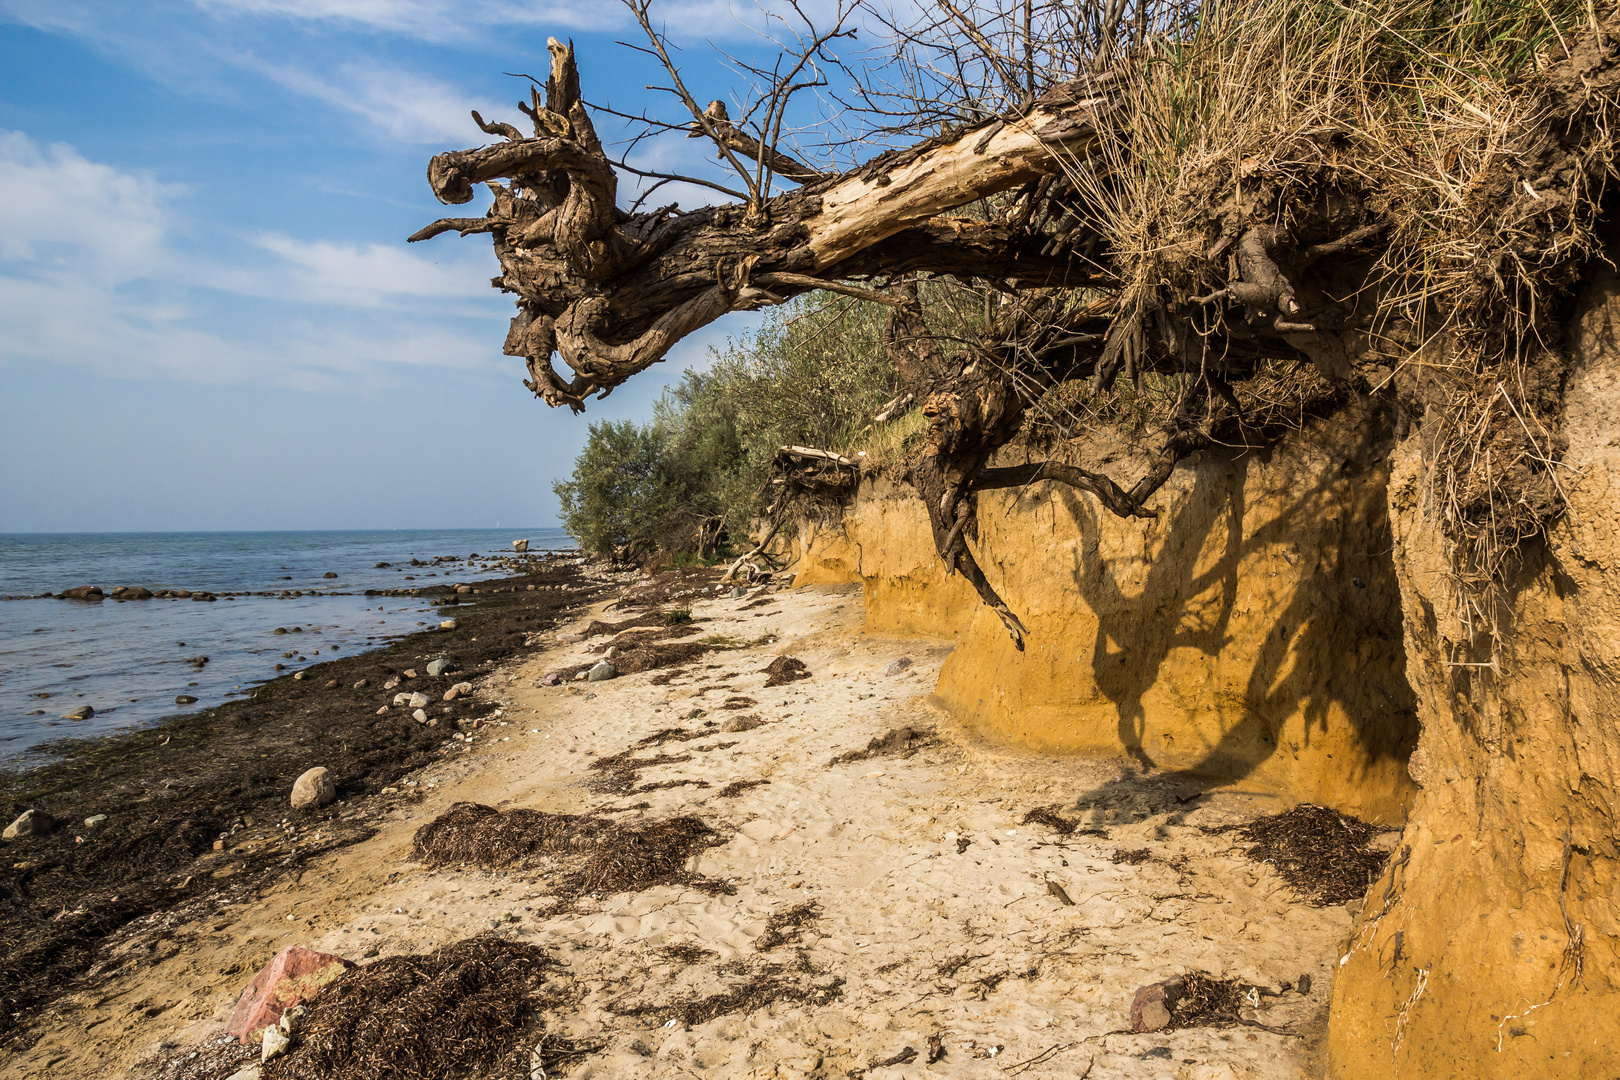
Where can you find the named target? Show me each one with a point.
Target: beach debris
(83, 712)
(1053, 889)
(461, 689)
(897, 665)
(291, 978)
(936, 1049)
(184, 699)
(1196, 999)
(31, 823)
(787, 927)
(274, 1045)
(1130, 857)
(606, 857)
(448, 624)
(603, 671)
(438, 667)
(313, 788)
(83, 592)
(1323, 855)
(737, 787)
(901, 742)
(785, 669)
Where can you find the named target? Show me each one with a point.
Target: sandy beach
(883, 908)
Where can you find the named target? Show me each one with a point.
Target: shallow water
(128, 660)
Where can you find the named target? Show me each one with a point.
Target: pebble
(463, 589)
(298, 676)
(602, 672)
(275, 1043)
(95, 821)
(362, 684)
(448, 624)
(420, 716)
(391, 683)
(438, 667)
(461, 689)
(382, 709)
(331, 684)
(184, 699)
(30, 823)
(410, 673)
(313, 788)
(418, 701)
(401, 698)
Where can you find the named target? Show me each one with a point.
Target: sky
(209, 316)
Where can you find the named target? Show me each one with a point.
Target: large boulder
(291, 978)
(83, 592)
(313, 789)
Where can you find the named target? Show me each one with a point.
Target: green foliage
(813, 375)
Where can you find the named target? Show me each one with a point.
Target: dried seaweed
(763, 985)
(737, 787)
(1321, 854)
(785, 669)
(1130, 856)
(467, 1008)
(604, 856)
(785, 927)
(901, 742)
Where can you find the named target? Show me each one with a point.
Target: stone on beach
(418, 701)
(292, 977)
(602, 671)
(461, 689)
(30, 823)
(274, 1045)
(448, 624)
(420, 716)
(313, 788)
(95, 821)
(438, 667)
(896, 666)
(1150, 1008)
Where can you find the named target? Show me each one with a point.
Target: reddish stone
(1152, 998)
(293, 977)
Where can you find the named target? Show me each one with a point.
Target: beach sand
(934, 913)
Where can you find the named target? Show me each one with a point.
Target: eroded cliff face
(1251, 632)
(1489, 948)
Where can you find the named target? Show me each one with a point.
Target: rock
(520, 546)
(418, 700)
(206, 597)
(95, 821)
(1150, 1008)
(438, 667)
(410, 673)
(1304, 984)
(895, 667)
(461, 689)
(329, 575)
(31, 823)
(612, 652)
(580, 676)
(602, 672)
(275, 1044)
(420, 716)
(198, 660)
(184, 699)
(293, 1019)
(738, 592)
(362, 684)
(448, 624)
(292, 977)
(553, 678)
(252, 1072)
(83, 712)
(742, 723)
(135, 593)
(463, 589)
(1163, 1052)
(298, 676)
(279, 630)
(401, 698)
(313, 788)
(83, 592)
(391, 683)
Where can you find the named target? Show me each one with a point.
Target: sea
(129, 660)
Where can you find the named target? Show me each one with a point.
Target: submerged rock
(83, 592)
(83, 712)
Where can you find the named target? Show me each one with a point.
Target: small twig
(1045, 1055)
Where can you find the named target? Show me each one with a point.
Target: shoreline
(872, 879)
(175, 787)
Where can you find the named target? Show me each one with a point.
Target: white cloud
(434, 20)
(92, 274)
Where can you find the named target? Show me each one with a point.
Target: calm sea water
(128, 661)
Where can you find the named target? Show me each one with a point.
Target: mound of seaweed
(1320, 853)
(604, 857)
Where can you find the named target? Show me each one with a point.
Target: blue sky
(209, 318)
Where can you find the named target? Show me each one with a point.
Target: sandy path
(930, 936)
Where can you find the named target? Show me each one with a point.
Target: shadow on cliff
(1344, 613)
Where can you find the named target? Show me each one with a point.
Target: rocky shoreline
(193, 812)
